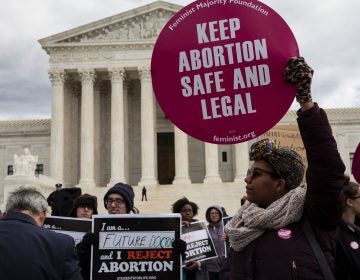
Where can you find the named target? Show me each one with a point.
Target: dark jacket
(286, 254)
(83, 251)
(216, 231)
(28, 251)
(348, 253)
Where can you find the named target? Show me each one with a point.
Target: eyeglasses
(117, 201)
(257, 172)
(214, 213)
(186, 210)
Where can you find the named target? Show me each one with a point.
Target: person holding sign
(119, 199)
(84, 207)
(270, 233)
(188, 210)
(216, 267)
(27, 250)
(348, 246)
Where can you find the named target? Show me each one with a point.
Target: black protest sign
(74, 227)
(136, 247)
(199, 245)
(225, 220)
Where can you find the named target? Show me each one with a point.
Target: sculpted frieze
(141, 27)
(99, 54)
(81, 55)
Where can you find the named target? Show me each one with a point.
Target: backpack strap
(319, 254)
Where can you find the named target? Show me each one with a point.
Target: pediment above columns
(139, 27)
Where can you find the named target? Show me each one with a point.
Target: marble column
(117, 126)
(57, 125)
(241, 161)
(181, 158)
(212, 175)
(148, 131)
(127, 139)
(87, 129)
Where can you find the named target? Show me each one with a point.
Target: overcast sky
(327, 33)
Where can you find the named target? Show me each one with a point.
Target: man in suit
(28, 251)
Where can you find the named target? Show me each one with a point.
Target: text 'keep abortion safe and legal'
(212, 82)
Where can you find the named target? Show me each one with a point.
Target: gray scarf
(251, 221)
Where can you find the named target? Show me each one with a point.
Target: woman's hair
(26, 198)
(350, 188)
(179, 204)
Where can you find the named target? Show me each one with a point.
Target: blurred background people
(84, 207)
(216, 267)
(61, 200)
(348, 245)
(188, 210)
(143, 194)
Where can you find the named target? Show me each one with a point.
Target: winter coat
(286, 254)
(216, 231)
(348, 253)
(28, 251)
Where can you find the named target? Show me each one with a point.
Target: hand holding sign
(299, 73)
(90, 239)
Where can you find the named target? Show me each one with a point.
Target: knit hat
(286, 163)
(125, 191)
(207, 213)
(84, 200)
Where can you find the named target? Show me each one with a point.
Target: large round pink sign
(217, 70)
(356, 164)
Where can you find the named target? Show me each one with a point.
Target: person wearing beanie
(268, 234)
(84, 206)
(119, 199)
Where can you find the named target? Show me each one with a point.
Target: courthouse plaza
(106, 126)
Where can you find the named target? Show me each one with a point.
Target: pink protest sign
(356, 164)
(217, 70)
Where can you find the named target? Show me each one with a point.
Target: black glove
(179, 246)
(299, 73)
(88, 240)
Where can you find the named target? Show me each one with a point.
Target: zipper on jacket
(293, 270)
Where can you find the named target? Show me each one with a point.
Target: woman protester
(188, 210)
(348, 246)
(217, 267)
(267, 234)
(84, 207)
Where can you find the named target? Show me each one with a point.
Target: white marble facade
(106, 125)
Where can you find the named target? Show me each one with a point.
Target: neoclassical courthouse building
(106, 125)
